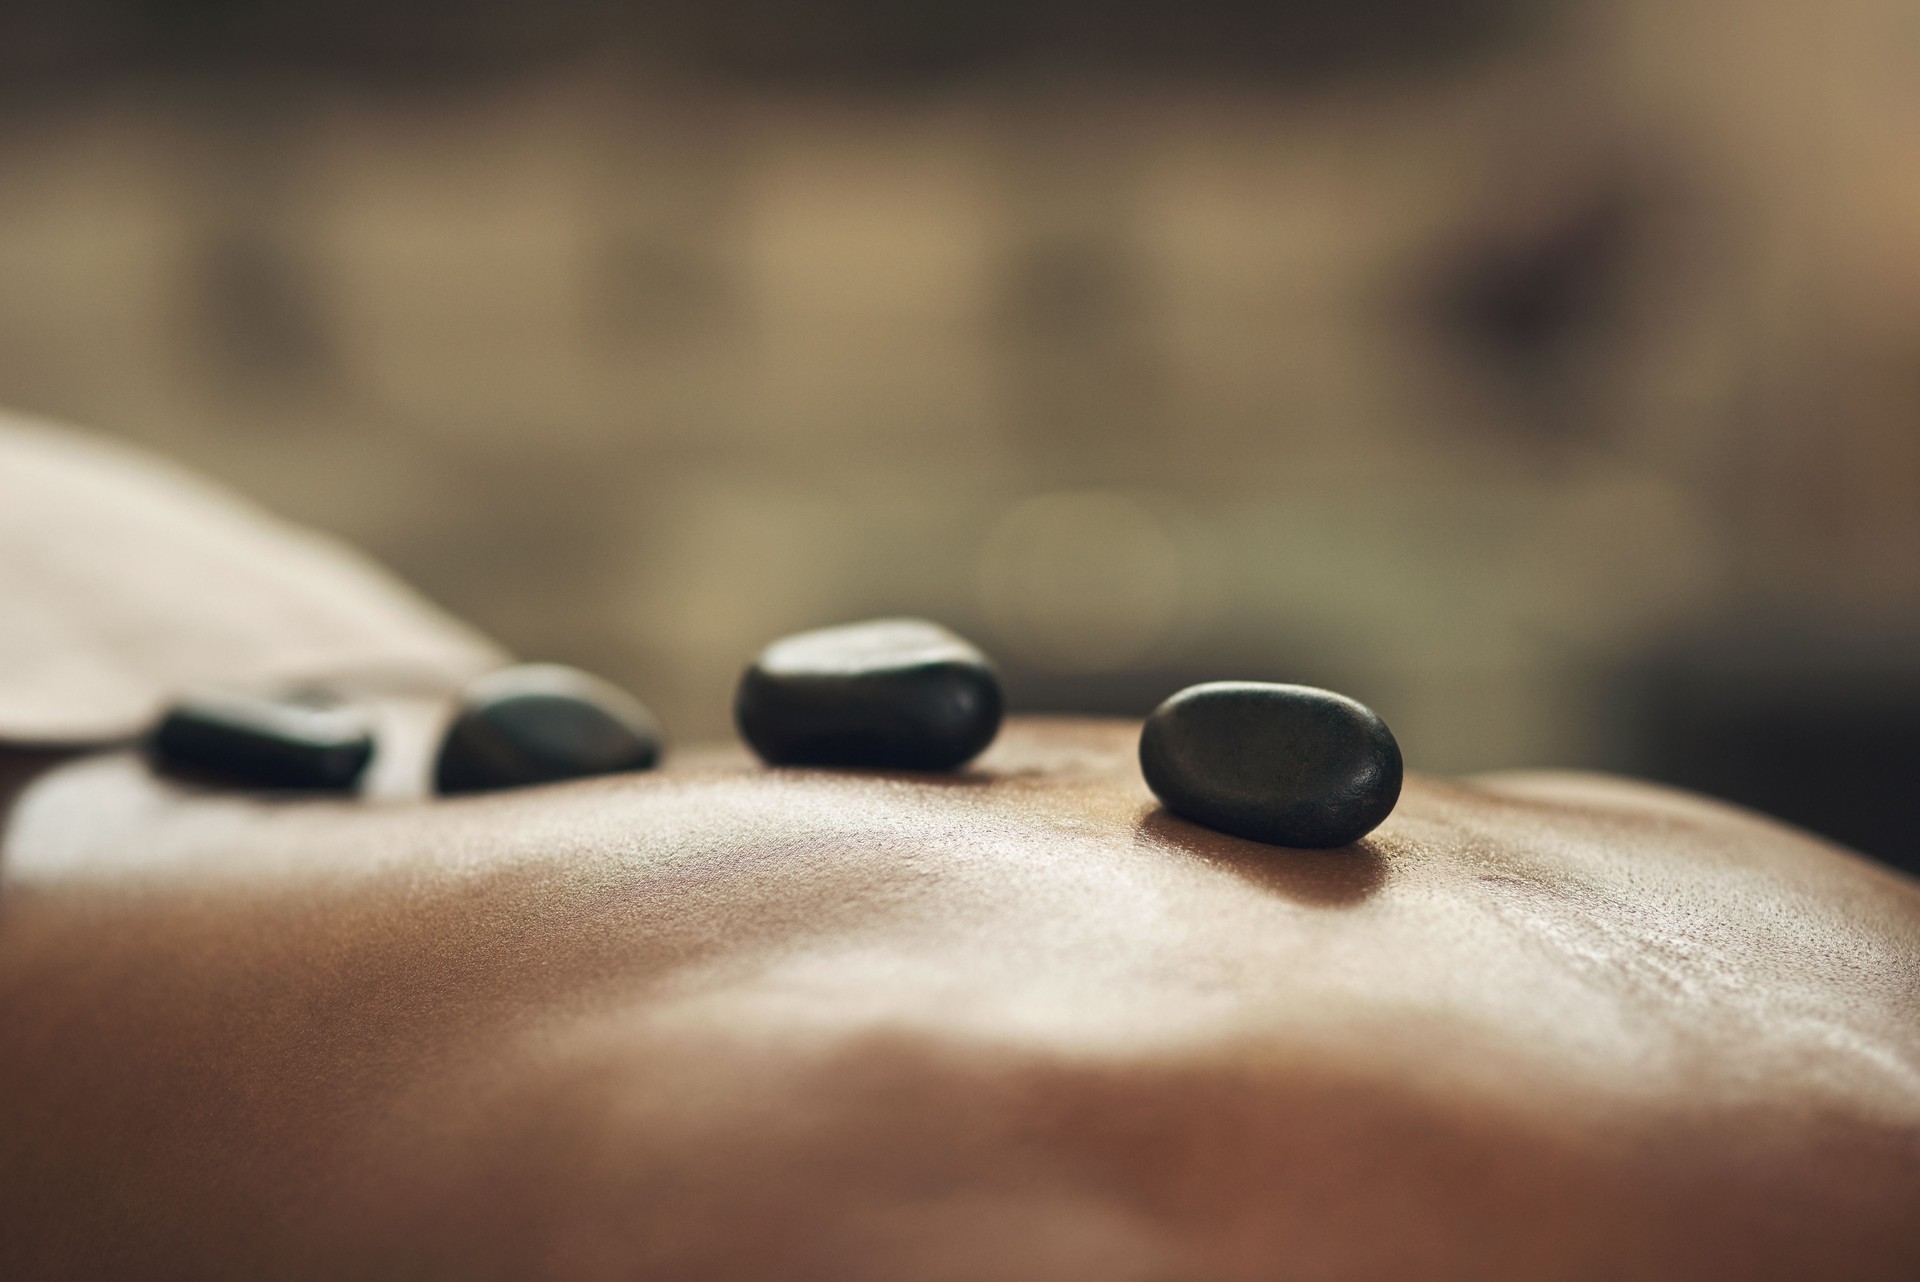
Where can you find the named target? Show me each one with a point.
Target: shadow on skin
(1321, 878)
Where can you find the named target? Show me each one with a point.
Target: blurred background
(1545, 373)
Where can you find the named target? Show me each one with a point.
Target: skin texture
(722, 1021)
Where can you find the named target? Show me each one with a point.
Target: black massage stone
(900, 694)
(262, 741)
(1287, 765)
(541, 723)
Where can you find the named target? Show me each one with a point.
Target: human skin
(719, 1021)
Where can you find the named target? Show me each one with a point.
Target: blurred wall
(1546, 375)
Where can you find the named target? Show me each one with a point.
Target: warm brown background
(1547, 375)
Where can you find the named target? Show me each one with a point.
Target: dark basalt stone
(263, 741)
(1288, 765)
(900, 694)
(541, 723)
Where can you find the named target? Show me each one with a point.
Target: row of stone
(1283, 764)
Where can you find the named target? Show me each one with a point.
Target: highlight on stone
(542, 723)
(901, 694)
(1284, 764)
(263, 740)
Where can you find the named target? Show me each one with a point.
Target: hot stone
(1283, 764)
(542, 723)
(263, 741)
(901, 694)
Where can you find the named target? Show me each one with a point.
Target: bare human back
(718, 1021)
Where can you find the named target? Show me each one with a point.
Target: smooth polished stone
(900, 694)
(541, 723)
(1287, 765)
(263, 741)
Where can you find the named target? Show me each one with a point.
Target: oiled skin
(724, 1022)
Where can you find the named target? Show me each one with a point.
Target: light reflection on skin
(873, 1014)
